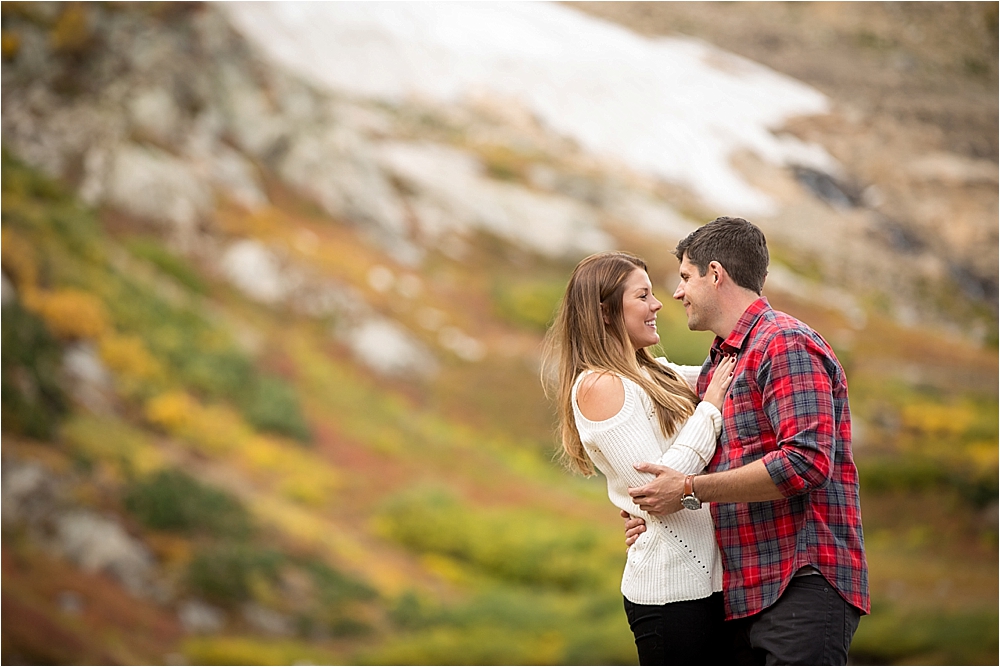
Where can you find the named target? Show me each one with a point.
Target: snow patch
(676, 108)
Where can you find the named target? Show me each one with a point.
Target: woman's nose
(657, 304)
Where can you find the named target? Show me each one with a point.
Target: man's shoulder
(777, 323)
(781, 330)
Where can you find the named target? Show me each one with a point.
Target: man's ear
(716, 271)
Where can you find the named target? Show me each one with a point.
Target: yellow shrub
(128, 355)
(447, 568)
(938, 418)
(217, 430)
(171, 411)
(18, 259)
(69, 313)
(71, 33)
(212, 430)
(252, 651)
(261, 454)
(112, 441)
(305, 490)
(984, 456)
(302, 476)
(10, 44)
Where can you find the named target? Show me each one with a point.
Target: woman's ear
(604, 316)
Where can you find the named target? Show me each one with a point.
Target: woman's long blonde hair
(580, 340)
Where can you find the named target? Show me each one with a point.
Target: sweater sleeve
(694, 445)
(689, 374)
(618, 443)
(628, 438)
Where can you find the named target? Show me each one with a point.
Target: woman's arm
(618, 433)
(694, 445)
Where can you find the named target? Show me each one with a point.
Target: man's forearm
(748, 484)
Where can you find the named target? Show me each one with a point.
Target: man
(783, 485)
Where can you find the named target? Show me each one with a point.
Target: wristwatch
(689, 500)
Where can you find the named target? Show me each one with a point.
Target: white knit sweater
(677, 557)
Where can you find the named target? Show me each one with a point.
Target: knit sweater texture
(677, 557)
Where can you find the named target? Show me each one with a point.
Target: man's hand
(634, 527)
(661, 496)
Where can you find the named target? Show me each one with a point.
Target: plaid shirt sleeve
(797, 399)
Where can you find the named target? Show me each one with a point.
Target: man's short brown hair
(735, 243)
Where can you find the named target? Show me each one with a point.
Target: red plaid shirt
(788, 406)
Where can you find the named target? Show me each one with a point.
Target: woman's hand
(721, 380)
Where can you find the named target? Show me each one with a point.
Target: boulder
(452, 194)
(99, 544)
(388, 348)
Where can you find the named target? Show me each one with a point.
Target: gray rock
(267, 620)
(199, 617)
(337, 168)
(29, 492)
(99, 544)
(89, 381)
(70, 602)
(389, 348)
(9, 292)
(452, 194)
(257, 272)
(154, 185)
(155, 114)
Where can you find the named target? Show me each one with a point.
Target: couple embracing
(736, 479)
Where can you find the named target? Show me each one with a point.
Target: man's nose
(679, 292)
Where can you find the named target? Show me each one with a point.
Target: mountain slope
(248, 420)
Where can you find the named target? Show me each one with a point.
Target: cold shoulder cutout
(600, 396)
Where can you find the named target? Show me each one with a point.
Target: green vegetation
(928, 440)
(53, 253)
(226, 573)
(33, 399)
(172, 500)
(894, 636)
(525, 547)
(255, 651)
(152, 250)
(497, 576)
(527, 303)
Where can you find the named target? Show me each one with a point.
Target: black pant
(810, 624)
(679, 633)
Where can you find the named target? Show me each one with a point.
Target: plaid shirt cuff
(784, 475)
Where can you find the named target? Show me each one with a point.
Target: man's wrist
(689, 498)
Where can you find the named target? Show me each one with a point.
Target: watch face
(690, 503)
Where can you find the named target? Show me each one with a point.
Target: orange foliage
(69, 313)
(10, 44)
(72, 33)
(18, 260)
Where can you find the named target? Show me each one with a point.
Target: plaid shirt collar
(748, 320)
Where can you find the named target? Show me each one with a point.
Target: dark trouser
(678, 633)
(810, 624)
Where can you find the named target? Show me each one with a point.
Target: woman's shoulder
(601, 394)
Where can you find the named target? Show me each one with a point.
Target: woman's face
(639, 308)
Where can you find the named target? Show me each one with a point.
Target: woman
(619, 406)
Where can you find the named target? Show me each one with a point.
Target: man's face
(699, 296)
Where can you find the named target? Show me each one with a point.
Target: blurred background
(275, 278)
